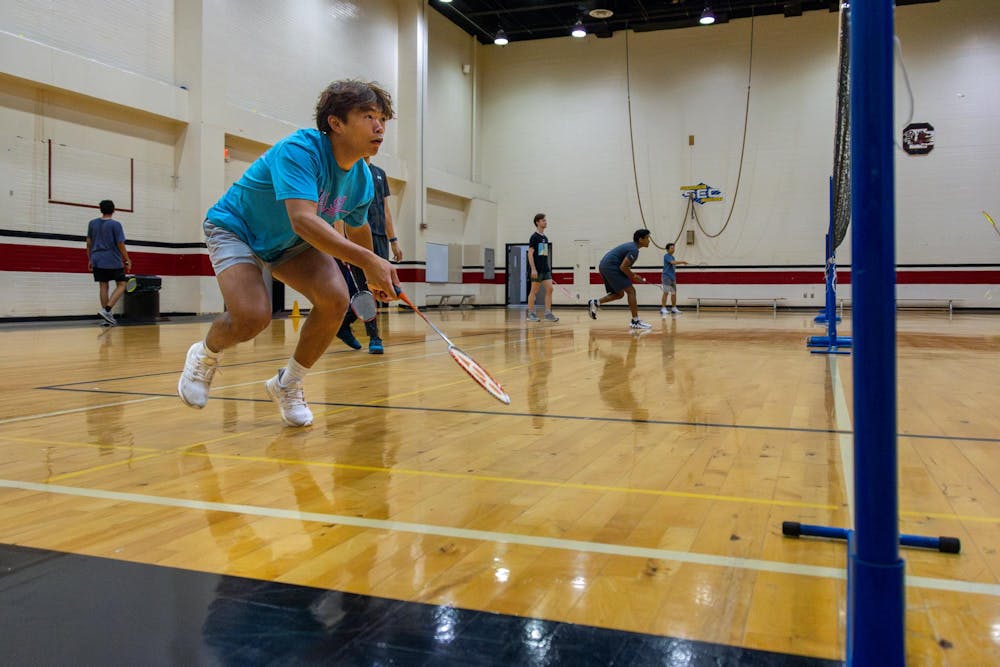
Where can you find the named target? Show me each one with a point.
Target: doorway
(517, 274)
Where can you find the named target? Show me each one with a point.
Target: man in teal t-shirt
(279, 215)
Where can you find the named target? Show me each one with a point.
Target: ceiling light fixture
(601, 13)
(579, 30)
(707, 17)
(501, 38)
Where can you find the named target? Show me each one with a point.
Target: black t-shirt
(540, 244)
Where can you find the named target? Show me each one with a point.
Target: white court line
(43, 415)
(489, 536)
(845, 437)
(57, 413)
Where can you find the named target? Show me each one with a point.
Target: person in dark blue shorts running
(616, 270)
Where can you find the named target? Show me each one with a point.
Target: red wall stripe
(57, 259)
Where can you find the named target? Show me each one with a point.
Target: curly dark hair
(341, 97)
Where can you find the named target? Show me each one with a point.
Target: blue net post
(875, 572)
(831, 290)
(831, 343)
(875, 625)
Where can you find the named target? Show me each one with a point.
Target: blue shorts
(615, 280)
(226, 249)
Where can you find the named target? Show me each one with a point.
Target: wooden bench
(465, 300)
(927, 303)
(735, 301)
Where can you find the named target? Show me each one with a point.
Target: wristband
(393, 239)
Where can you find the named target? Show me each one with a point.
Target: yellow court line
(466, 476)
(960, 517)
(116, 464)
(515, 480)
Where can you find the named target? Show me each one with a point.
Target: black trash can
(142, 299)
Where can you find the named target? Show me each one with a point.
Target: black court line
(536, 415)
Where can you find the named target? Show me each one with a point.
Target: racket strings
(479, 374)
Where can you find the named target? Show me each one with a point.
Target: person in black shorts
(541, 270)
(107, 258)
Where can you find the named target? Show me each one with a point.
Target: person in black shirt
(541, 271)
(380, 222)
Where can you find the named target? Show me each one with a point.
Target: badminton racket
(362, 302)
(468, 364)
(991, 221)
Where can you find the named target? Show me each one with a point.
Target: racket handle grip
(406, 299)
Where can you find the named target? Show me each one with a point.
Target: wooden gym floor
(636, 484)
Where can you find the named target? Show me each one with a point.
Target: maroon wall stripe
(57, 259)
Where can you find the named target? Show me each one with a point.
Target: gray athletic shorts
(226, 249)
(669, 286)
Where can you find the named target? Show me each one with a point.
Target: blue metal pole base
(947, 545)
(876, 603)
(821, 318)
(828, 341)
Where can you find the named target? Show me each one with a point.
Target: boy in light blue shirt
(279, 215)
(669, 282)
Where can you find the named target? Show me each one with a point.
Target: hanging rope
(690, 209)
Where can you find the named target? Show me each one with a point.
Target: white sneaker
(532, 317)
(108, 317)
(199, 369)
(675, 310)
(664, 311)
(639, 324)
(550, 317)
(592, 307)
(290, 400)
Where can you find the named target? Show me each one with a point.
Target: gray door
(517, 274)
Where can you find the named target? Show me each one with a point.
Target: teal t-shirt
(300, 166)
